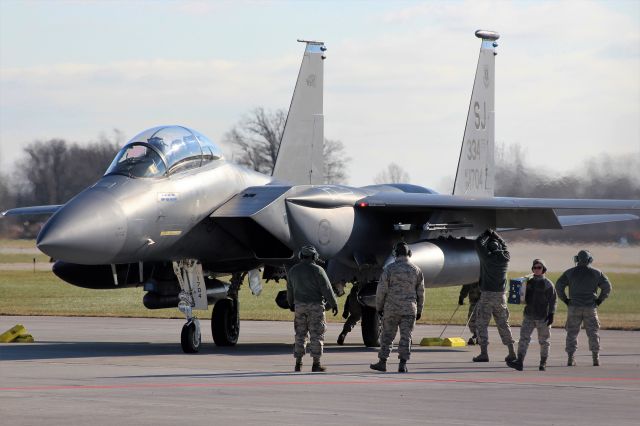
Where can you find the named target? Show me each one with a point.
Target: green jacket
(308, 283)
(493, 265)
(583, 282)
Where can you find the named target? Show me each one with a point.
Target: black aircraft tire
(225, 322)
(370, 327)
(190, 344)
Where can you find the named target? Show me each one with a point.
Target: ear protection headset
(583, 257)
(308, 251)
(401, 249)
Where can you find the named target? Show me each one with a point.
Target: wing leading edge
(510, 212)
(33, 210)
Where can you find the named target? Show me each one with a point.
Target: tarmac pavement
(117, 371)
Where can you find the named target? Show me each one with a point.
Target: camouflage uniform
(540, 297)
(309, 318)
(473, 291)
(308, 289)
(400, 295)
(493, 304)
(494, 261)
(583, 282)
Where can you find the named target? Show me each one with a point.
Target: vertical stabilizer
(476, 171)
(300, 156)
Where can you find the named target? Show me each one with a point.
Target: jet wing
(510, 212)
(428, 202)
(589, 219)
(33, 210)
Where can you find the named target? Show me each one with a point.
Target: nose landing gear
(193, 295)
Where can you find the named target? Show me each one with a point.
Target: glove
(380, 314)
(418, 316)
(567, 301)
(292, 308)
(550, 319)
(598, 302)
(461, 301)
(334, 310)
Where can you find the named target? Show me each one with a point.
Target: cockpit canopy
(164, 150)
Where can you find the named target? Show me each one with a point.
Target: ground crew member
(308, 290)
(399, 301)
(473, 291)
(583, 301)
(494, 260)
(352, 312)
(540, 298)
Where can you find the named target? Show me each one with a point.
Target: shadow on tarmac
(363, 370)
(58, 349)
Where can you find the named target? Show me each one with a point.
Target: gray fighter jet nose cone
(90, 229)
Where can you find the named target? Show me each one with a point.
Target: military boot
(512, 353)
(596, 359)
(298, 366)
(381, 365)
(571, 361)
(484, 355)
(402, 367)
(518, 363)
(543, 363)
(341, 338)
(317, 367)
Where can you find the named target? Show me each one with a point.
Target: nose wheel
(190, 338)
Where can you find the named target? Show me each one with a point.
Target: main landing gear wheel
(225, 322)
(370, 327)
(190, 337)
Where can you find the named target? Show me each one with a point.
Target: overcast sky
(398, 75)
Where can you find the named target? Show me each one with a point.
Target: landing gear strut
(193, 295)
(225, 318)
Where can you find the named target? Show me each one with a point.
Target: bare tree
(603, 176)
(256, 140)
(392, 174)
(53, 171)
(335, 162)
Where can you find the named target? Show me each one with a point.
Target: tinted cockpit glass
(170, 149)
(137, 160)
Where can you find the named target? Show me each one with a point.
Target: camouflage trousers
(390, 324)
(471, 316)
(493, 303)
(544, 333)
(309, 320)
(576, 316)
(353, 309)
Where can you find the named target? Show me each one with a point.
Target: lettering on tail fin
(300, 158)
(476, 170)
